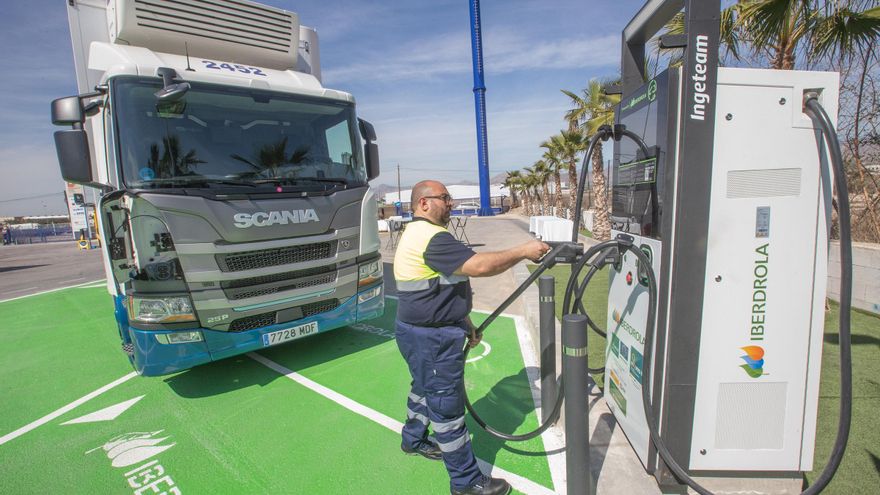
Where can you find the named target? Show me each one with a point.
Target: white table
(536, 221)
(557, 229)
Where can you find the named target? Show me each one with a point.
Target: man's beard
(445, 218)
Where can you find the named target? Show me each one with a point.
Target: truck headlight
(369, 294)
(160, 309)
(179, 337)
(369, 273)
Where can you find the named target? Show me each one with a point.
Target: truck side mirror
(371, 151)
(73, 156)
(67, 111)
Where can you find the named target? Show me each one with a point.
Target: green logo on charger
(652, 90)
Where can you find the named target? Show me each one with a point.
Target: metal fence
(47, 233)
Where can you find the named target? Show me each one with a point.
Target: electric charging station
(722, 209)
(731, 208)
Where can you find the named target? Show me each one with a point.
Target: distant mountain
(498, 178)
(382, 189)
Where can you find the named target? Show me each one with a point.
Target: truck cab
(235, 211)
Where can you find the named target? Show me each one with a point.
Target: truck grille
(266, 319)
(251, 322)
(251, 260)
(236, 294)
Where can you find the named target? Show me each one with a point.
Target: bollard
(577, 421)
(547, 326)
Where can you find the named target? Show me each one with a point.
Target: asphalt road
(31, 268)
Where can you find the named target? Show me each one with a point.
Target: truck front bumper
(152, 358)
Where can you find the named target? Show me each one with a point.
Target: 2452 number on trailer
(244, 69)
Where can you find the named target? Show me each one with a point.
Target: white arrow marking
(106, 414)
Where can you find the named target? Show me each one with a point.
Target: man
(432, 268)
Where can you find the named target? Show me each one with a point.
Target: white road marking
(553, 437)
(486, 350)
(106, 414)
(521, 483)
(101, 283)
(48, 291)
(49, 417)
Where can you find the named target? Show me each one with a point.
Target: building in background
(464, 197)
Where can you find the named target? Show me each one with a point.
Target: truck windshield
(234, 136)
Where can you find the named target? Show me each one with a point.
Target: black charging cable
(572, 253)
(567, 252)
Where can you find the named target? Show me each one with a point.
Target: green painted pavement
(54, 349)
(234, 426)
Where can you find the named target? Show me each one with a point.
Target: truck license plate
(289, 334)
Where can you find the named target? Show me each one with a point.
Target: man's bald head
(427, 203)
(425, 188)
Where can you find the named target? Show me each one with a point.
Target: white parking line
(49, 417)
(521, 483)
(553, 437)
(48, 291)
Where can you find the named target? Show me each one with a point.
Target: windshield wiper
(304, 180)
(186, 181)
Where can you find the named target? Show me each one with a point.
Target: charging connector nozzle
(563, 252)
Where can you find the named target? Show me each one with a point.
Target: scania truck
(234, 196)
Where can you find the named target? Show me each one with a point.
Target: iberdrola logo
(754, 359)
(615, 315)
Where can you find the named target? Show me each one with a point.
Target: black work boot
(425, 449)
(486, 486)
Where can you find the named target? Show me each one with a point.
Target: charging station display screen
(637, 178)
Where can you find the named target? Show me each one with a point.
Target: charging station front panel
(761, 308)
(625, 345)
(764, 289)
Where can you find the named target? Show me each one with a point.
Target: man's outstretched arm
(495, 262)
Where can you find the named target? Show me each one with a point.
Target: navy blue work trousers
(435, 358)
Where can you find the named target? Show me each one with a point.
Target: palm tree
(775, 28)
(172, 162)
(512, 183)
(523, 184)
(542, 173)
(554, 163)
(531, 182)
(567, 145)
(271, 157)
(594, 108)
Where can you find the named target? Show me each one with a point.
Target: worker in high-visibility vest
(431, 269)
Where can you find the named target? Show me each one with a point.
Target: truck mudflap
(154, 357)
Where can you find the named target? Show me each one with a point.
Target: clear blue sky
(408, 63)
